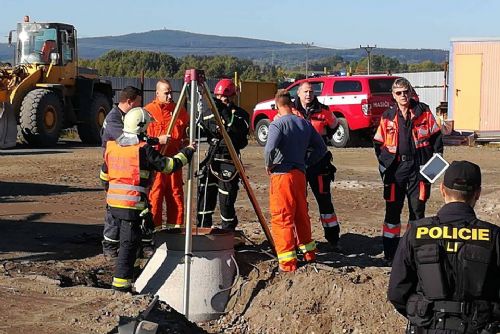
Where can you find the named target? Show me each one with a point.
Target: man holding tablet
(407, 137)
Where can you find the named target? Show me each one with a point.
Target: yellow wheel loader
(47, 90)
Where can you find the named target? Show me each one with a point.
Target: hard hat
(136, 121)
(225, 87)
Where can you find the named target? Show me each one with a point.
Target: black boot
(332, 235)
(390, 246)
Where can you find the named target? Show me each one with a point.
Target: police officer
(407, 137)
(127, 173)
(445, 275)
(320, 175)
(219, 174)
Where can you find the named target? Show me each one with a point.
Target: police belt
(454, 324)
(449, 306)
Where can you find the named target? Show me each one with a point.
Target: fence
(252, 92)
(118, 83)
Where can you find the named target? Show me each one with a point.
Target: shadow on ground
(42, 241)
(36, 189)
(62, 146)
(357, 250)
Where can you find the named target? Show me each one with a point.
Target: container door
(467, 95)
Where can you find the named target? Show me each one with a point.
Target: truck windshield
(35, 43)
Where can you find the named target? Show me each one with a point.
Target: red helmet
(225, 87)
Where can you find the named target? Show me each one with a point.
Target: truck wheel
(41, 117)
(261, 130)
(90, 122)
(341, 137)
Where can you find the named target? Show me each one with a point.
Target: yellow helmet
(136, 121)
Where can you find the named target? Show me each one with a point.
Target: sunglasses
(405, 92)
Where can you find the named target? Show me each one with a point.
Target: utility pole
(307, 45)
(368, 50)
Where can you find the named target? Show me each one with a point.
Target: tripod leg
(238, 164)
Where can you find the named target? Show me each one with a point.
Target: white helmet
(136, 121)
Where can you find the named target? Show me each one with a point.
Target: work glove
(152, 141)
(147, 225)
(226, 114)
(202, 171)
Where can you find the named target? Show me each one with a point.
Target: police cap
(463, 175)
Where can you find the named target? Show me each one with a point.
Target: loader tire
(90, 122)
(41, 117)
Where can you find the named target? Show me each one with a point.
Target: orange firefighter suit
(168, 187)
(291, 225)
(289, 139)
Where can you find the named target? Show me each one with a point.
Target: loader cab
(45, 43)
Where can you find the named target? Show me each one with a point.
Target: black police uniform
(219, 175)
(446, 273)
(320, 177)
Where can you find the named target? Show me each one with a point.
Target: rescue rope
(252, 251)
(198, 120)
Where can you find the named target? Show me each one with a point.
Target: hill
(180, 43)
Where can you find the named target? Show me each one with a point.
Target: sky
(421, 24)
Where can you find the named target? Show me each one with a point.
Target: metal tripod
(195, 80)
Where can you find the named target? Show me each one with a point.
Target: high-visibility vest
(127, 182)
(423, 127)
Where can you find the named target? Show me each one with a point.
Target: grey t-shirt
(289, 139)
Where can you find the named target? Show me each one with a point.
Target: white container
(212, 272)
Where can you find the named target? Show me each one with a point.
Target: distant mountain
(180, 43)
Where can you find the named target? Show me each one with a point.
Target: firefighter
(406, 138)
(218, 174)
(321, 175)
(288, 141)
(127, 172)
(445, 274)
(112, 128)
(167, 187)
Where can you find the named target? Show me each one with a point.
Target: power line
(368, 50)
(307, 45)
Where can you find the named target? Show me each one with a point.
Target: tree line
(162, 65)
(378, 64)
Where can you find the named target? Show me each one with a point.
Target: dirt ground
(53, 278)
